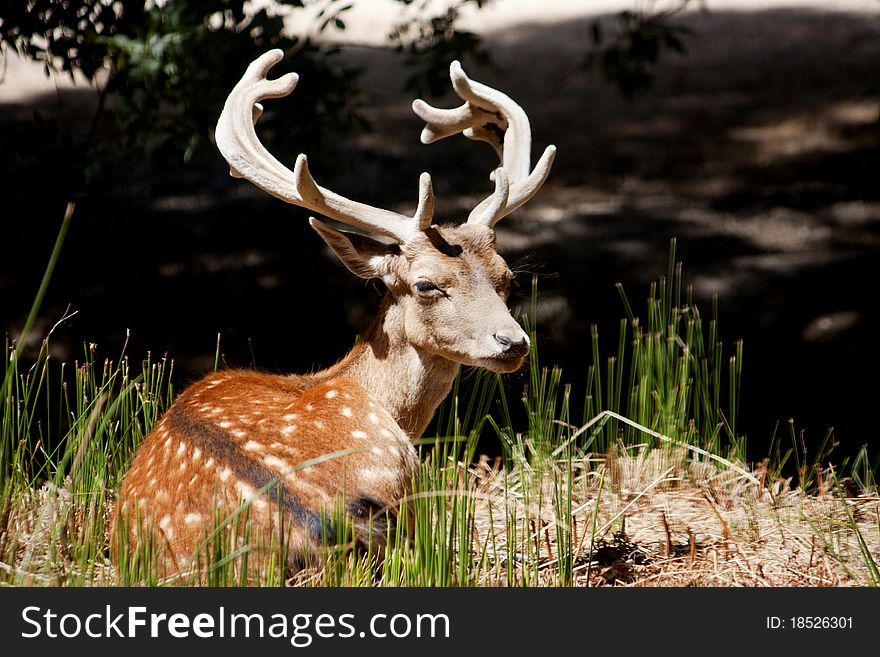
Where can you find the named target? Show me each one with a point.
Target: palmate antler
(487, 115)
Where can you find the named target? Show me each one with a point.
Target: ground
(658, 519)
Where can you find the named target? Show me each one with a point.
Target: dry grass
(660, 518)
(663, 520)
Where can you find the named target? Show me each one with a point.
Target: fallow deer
(242, 436)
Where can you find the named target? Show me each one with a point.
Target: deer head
(448, 283)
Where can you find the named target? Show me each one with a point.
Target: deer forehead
(456, 254)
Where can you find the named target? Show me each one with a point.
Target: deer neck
(409, 381)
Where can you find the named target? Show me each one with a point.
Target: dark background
(759, 150)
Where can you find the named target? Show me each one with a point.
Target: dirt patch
(661, 520)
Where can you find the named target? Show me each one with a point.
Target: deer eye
(425, 287)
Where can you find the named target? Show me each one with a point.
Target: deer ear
(364, 257)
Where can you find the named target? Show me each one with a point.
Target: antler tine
(520, 192)
(442, 123)
(249, 159)
(497, 203)
(491, 116)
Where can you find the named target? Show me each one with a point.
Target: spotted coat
(291, 447)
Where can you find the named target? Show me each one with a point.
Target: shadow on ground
(759, 151)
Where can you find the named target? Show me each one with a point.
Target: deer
(290, 447)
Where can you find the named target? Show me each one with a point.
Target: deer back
(289, 447)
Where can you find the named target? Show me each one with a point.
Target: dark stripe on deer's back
(216, 442)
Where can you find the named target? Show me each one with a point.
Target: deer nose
(512, 346)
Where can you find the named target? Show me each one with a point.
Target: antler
(491, 116)
(248, 158)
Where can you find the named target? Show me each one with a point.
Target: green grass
(659, 419)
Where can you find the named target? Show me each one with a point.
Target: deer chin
(492, 360)
(502, 364)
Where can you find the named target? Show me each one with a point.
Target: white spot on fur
(373, 418)
(290, 417)
(288, 429)
(193, 480)
(182, 466)
(374, 475)
(181, 448)
(310, 407)
(377, 451)
(319, 424)
(161, 495)
(253, 446)
(346, 411)
(197, 454)
(275, 462)
(360, 435)
(244, 490)
(386, 433)
(225, 473)
(153, 482)
(210, 462)
(226, 424)
(238, 433)
(331, 394)
(165, 522)
(192, 518)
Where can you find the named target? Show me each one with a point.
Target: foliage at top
(430, 44)
(170, 67)
(163, 70)
(626, 51)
